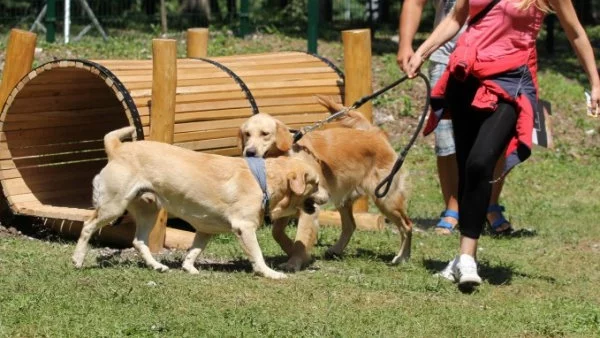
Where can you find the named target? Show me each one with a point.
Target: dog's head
(264, 136)
(303, 190)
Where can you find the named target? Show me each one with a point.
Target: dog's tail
(112, 140)
(352, 119)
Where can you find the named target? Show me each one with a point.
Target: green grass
(544, 283)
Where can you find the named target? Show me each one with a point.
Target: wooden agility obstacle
(54, 119)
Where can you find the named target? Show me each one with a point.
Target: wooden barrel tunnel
(53, 122)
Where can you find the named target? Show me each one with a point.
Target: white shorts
(443, 133)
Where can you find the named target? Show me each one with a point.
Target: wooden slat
(209, 144)
(53, 114)
(233, 151)
(46, 149)
(52, 170)
(103, 98)
(60, 158)
(140, 82)
(205, 135)
(80, 200)
(112, 114)
(19, 138)
(187, 127)
(141, 97)
(75, 194)
(42, 181)
(34, 89)
(33, 185)
(127, 76)
(65, 75)
(34, 209)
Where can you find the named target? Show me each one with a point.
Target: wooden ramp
(53, 122)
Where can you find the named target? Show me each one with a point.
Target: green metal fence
(283, 15)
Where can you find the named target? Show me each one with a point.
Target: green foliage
(11, 4)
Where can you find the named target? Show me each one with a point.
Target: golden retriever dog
(351, 161)
(213, 193)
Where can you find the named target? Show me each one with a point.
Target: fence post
(357, 83)
(197, 42)
(313, 25)
(162, 115)
(244, 18)
(20, 51)
(51, 21)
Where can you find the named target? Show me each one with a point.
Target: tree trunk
(326, 10)
(201, 7)
(231, 10)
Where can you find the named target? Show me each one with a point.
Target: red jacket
(511, 80)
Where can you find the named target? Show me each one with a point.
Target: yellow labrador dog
(351, 161)
(213, 193)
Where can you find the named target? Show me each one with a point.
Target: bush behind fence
(289, 15)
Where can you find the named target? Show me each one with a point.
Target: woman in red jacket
(490, 91)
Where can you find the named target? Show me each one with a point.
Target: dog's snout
(250, 152)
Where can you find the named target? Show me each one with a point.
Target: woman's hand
(414, 64)
(404, 55)
(594, 109)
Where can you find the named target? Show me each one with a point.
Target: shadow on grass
(361, 254)
(498, 274)
(131, 258)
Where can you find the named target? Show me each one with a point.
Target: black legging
(480, 138)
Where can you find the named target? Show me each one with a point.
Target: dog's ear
(297, 182)
(283, 138)
(240, 139)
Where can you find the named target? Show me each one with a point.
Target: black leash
(357, 104)
(387, 182)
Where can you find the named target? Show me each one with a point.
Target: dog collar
(257, 167)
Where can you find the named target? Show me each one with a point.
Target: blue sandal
(442, 224)
(499, 221)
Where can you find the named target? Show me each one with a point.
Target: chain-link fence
(145, 14)
(279, 14)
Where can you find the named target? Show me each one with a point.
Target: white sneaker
(466, 271)
(449, 271)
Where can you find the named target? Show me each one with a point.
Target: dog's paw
(161, 268)
(332, 254)
(77, 262)
(400, 259)
(290, 266)
(275, 274)
(191, 269)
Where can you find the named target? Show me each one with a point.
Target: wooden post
(197, 42)
(162, 114)
(364, 220)
(20, 51)
(358, 74)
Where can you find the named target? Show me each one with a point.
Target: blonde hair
(542, 5)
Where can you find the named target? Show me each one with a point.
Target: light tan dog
(213, 193)
(352, 161)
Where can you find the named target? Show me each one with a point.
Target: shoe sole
(450, 278)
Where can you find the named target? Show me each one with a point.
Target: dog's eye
(264, 133)
(247, 134)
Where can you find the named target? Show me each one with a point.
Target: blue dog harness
(257, 167)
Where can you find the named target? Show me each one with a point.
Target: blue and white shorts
(443, 133)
